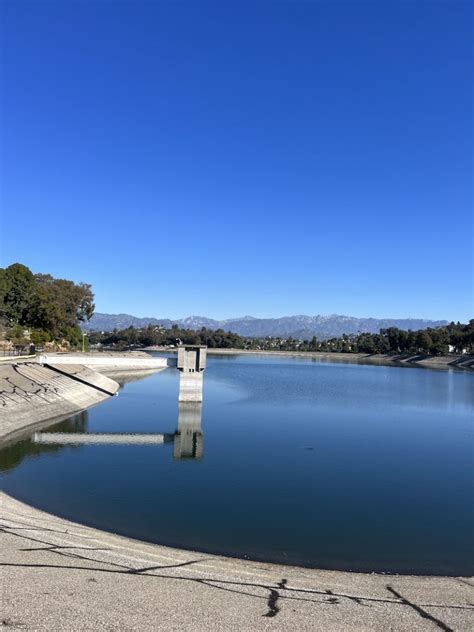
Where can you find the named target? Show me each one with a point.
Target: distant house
(452, 349)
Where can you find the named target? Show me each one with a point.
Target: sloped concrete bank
(59, 575)
(52, 386)
(107, 362)
(462, 362)
(451, 361)
(30, 393)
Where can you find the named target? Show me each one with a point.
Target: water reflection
(14, 453)
(322, 383)
(187, 439)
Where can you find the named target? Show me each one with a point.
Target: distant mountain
(109, 322)
(304, 327)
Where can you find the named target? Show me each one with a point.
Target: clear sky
(237, 158)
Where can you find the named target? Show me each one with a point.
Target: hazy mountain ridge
(301, 326)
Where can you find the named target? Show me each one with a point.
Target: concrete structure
(191, 365)
(187, 439)
(100, 438)
(59, 575)
(106, 362)
(30, 393)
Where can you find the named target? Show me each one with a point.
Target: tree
(366, 343)
(17, 289)
(73, 302)
(423, 341)
(48, 305)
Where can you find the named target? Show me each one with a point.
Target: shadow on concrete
(274, 594)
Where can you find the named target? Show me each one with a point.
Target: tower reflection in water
(187, 439)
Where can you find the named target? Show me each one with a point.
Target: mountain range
(304, 327)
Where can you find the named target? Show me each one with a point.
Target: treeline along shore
(40, 312)
(455, 338)
(453, 360)
(450, 346)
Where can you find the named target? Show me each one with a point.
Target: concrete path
(57, 575)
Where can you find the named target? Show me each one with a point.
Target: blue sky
(237, 158)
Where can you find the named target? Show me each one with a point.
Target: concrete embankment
(30, 393)
(106, 362)
(464, 362)
(58, 575)
(55, 385)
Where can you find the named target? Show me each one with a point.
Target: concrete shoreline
(54, 386)
(106, 363)
(31, 394)
(59, 575)
(460, 362)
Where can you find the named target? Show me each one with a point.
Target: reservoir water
(291, 460)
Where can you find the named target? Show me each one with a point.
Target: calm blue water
(338, 466)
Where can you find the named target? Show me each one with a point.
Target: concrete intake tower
(191, 364)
